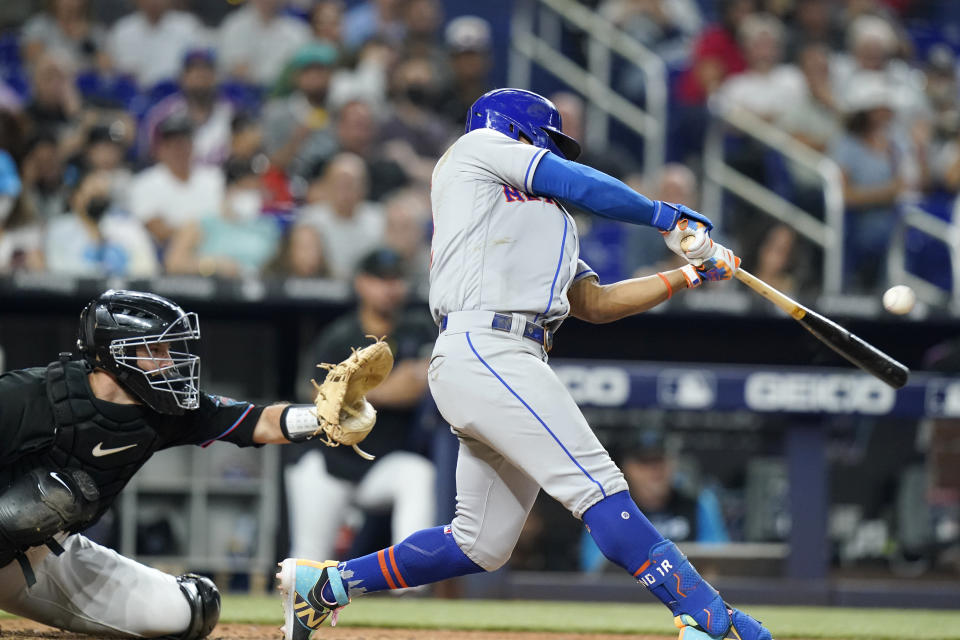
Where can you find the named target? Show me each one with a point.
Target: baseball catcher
(505, 273)
(76, 431)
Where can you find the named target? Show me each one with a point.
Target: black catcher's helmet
(114, 325)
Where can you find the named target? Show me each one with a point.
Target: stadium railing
(914, 218)
(536, 33)
(721, 176)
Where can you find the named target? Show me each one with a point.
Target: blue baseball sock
(426, 556)
(623, 534)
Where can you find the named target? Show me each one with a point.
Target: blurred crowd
(289, 138)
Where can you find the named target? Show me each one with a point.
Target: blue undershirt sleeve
(598, 193)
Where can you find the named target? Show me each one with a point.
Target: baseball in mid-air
(899, 299)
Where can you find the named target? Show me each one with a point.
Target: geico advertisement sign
(943, 399)
(599, 386)
(810, 392)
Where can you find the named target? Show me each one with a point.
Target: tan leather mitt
(343, 414)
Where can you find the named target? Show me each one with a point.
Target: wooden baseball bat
(857, 351)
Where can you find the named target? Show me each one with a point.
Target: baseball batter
(505, 273)
(75, 432)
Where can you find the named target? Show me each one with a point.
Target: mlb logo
(447, 530)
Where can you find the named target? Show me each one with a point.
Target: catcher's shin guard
(301, 584)
(204, 600)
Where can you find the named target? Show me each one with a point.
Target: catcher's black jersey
(115, 439)
(411, 339)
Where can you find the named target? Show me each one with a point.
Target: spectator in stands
(21, 235)
(422, 20)
(813, 22)
(42, 173)
(814, 118)
(776, 260)
(295, 128)
(649, 464)
(373, 19)
(174, 191)
(716, 54)
(104, 152)
(358, 132)
(351, 225)
(66, 27)
(468, 45)
(55, 103)
(766, 87)
(415, 134)
(326, 22)
(198, 100)
(150, 43)
(256, 41)
(872, 44)
(400, 478)
(872, 160)
(232, 242)
(407, 231)
(300, 255)
(95, 239)
(664, 26)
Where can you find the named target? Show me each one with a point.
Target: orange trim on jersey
(708, 618)
(396, 571)
(677, 576)
(642, 568)
(383, 569)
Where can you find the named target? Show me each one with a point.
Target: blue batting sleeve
(598, 193)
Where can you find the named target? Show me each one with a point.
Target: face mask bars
(177, 372)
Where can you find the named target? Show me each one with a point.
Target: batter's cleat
(301, 584)
(742, 627)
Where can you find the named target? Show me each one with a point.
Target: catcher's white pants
(93, 589)
(319, 502)
(519, 431)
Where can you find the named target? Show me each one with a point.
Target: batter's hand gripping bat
(860, 353)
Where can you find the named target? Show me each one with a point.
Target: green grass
(786, 622)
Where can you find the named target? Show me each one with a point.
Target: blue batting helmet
(516, 111)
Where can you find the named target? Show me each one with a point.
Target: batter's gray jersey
(495, 246)
(498, 249)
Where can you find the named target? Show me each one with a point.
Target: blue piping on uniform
(534, 413)
(526, 185)
(553, 285)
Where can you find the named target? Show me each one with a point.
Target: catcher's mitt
(343, 414)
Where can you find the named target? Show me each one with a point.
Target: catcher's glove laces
(343, 414)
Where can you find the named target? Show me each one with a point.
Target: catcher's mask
(120, 330)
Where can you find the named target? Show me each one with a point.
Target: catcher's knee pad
(672, 579)
(40, 504)
(204, 601)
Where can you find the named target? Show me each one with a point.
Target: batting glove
(699, 249)
(720, 263)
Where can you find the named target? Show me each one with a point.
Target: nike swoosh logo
(99, 451)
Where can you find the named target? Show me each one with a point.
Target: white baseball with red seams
(496, 248)
(899, 299)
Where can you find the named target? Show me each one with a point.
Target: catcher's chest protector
(110, 451)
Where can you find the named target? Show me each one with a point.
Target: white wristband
(691, 276)
(299, 422)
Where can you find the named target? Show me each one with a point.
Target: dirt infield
(28, 630)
